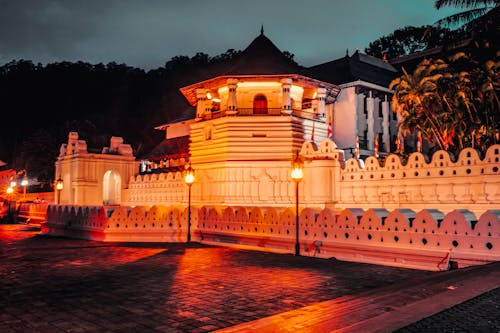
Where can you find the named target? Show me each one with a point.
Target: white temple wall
(470, 183)
(427, 239)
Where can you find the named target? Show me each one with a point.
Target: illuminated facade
(245, 127)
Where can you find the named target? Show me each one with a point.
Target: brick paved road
(480, 314)
(61, 285)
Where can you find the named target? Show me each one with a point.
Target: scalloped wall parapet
(464, 236)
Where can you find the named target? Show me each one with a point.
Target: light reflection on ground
(162, 287)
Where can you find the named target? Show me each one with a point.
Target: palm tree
(454, 105)
(473, 9)
(418, 99)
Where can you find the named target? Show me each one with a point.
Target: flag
(376, 146)
(419, 142)
(398, 144)
(330, 128)
(356, 149)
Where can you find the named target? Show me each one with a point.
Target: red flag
(312, 133)
(376, 146)
(329, 128)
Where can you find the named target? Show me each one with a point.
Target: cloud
(149, 32)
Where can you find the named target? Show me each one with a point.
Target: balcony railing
(265, 112)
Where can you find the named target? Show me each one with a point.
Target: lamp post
(59, 187)
(24, 184)
(297, 175)
(189, 180)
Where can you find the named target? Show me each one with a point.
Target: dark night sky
(148, 33)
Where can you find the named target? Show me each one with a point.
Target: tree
(409, 40)
(452, 104)
(474, 9)
(417, 99)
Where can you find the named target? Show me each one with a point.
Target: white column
(286, 107)
(321, 97)
(232, 103)
(201, 96)
(370, 121)
(360, 119)
(385, 125)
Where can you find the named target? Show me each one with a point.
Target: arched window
(112, 185)
(260, 104)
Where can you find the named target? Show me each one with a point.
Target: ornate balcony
(264, 112)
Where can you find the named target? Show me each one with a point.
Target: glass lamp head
(189, 175)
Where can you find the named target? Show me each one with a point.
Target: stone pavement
(61, 285)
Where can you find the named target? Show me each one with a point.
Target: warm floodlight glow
(216, 100)
(222, 90)
(297, 169)
(259, 84)
(24, 182)
(297, 175)
(9, 190)
(59, 184)
(209, 95)
(13, 184)
(189, 176)
(189, 180)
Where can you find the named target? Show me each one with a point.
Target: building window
(260, 104)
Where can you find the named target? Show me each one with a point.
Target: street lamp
(189, 180)
(297, 175)
(24, 184)
(59, 187)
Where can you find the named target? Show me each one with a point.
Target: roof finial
(262, 29)
(346, 52)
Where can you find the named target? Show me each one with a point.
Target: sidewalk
(63, 285)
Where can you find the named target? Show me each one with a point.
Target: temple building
(345, 100)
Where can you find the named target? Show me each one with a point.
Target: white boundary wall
(427, 239)
(469, 183)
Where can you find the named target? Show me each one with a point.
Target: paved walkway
(61, 285)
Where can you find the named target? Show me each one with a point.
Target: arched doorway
(260, 104)
(111, 186)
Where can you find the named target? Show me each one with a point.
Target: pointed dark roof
(262, 57)
(352, 68)
(170, 148)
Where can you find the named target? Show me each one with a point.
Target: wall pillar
(286, 107)
(369, 120)
(386, 138)
(232, 102)
(201, 96)
(321, 97)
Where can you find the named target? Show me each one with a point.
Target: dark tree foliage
(411, 39)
